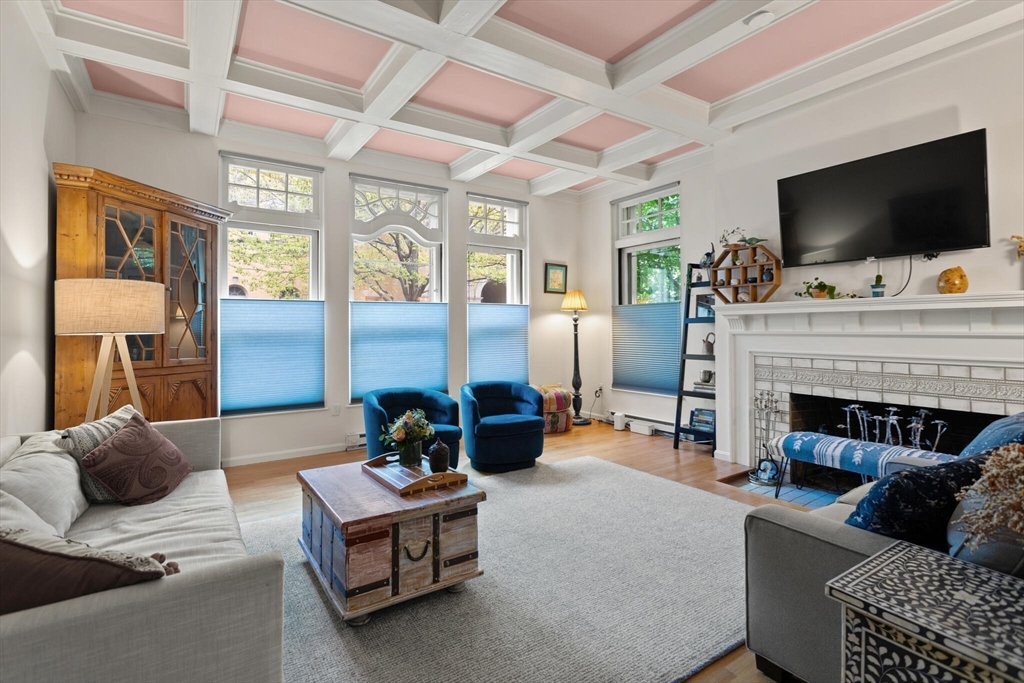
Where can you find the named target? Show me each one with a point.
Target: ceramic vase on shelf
(877, 290)
(410, 454)
(952, 281)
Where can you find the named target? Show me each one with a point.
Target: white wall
(189, 164)
(37, 127)
(979, 89)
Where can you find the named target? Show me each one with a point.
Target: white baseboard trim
(723, 455)
(252, 459)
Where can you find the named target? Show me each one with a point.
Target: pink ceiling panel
(818, 30)
(689, 147)
(414, 146)
(602, 132)
(162, 16)
(135, 84)
(587, 183)
(289, 38)
(522, 169)
(608, 30)
(276, 116)
(461, 90)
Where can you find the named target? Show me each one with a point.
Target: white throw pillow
(17, 515)
(45, 478)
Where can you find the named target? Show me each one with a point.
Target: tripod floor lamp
(112, 309)
(575, 302)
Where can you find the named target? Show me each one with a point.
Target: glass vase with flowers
(406, 435)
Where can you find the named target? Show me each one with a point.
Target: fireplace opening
(870, 421)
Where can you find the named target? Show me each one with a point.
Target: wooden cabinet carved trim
(109, 226)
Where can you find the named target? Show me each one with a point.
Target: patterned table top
(944, 600)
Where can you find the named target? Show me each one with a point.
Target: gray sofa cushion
(8, 445)
(45, 478)
(853, 496)
(837, 512)
(1005, 555)
(82, 440)
(17, 515)
(194, 525)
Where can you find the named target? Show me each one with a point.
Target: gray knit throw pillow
(82, 440)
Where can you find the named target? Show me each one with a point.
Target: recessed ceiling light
(759, 19)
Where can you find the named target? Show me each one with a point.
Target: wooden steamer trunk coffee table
(372, 548)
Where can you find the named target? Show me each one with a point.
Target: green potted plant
(878, 289)
(819, 289)
(406, 434)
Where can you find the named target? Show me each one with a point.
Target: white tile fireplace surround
(958, 352)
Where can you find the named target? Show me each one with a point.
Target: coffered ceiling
(566, 95)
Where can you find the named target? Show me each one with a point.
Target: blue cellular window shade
(645, 347)
(499, 343)
(398, 344)
(271, 355)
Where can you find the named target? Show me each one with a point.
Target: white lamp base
(104, 370)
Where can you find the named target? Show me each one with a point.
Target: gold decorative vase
(952, 281)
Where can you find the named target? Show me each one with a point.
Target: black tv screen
(918, 200)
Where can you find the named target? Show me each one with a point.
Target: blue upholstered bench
(878, 459)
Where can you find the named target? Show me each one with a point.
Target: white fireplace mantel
(850, 343)
(992, 313)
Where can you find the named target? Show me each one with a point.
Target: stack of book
(709, 387)
(702, 419)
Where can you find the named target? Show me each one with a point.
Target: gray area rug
(593, 572)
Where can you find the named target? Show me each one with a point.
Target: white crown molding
(249, 134)
(134, 111)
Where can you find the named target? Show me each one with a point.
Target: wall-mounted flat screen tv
(923, 199)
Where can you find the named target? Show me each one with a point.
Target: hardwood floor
(271, 489)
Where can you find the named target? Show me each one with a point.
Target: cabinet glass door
(131, 253)
(187, 335)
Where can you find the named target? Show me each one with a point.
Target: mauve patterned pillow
(138, 465)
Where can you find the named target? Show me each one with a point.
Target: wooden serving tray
(406, 481)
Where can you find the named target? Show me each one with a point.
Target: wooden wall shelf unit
(113, 227)
(723, 269)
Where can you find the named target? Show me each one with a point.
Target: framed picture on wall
(555, 276)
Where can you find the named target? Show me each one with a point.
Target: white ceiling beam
(401, 74)
(254, 80)
(474, 164)
(556, 181)
(639, 148)
(467, 16)
(943, 27)
(394, 24)
(547, 123)
(212, 33)
(70, 73)
(708, 32)
(347, 138)
(148, 46)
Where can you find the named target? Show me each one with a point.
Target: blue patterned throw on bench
(862, 457)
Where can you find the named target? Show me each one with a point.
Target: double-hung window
(272, 314)
(498, 316)
(398, 318)
(646, 323)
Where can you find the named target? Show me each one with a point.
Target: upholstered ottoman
(557, 408)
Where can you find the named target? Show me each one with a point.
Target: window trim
(314, 265)
(518, 273)
(400, 221)
(250, 214)
(627, 285)
(623, 244)
(476, 241)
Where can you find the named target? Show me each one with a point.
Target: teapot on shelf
(708, 345)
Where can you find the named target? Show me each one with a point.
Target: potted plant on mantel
(406, 434)
(878, 289)
(819, 289)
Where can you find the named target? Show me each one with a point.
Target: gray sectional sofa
(220, 619)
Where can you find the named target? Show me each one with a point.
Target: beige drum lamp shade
(574, 301)
(102, 306)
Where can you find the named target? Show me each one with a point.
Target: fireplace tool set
(766, 412)
(887, 427)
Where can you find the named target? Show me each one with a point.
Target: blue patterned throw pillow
(1001, 432)
(915, 505)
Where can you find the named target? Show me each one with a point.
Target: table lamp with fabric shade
(575, 302)
(112, 309)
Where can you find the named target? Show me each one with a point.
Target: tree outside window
(268, 265)
(658, 275)
(392, 267)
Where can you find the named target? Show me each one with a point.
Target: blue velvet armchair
(384, 405)
(504, 425)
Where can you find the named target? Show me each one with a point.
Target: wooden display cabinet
(113, 227)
